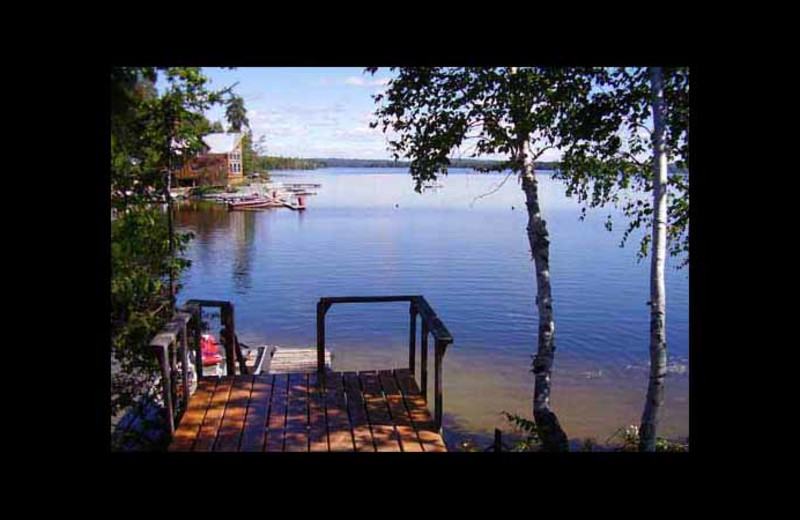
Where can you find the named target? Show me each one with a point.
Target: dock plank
(189, 428)
(213, 419)
(277, 413)
(318, 432)
(290, 360)
(340, 435)
(358, 413)
(296, 435)
(380, 422)
(230, 431)
(409, 440)
(255, 426)
(418, 412)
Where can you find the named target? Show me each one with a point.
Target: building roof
(222, 143)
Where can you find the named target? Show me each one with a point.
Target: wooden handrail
(165, 344)
(424, 309)
(168, 337)
(431, 324)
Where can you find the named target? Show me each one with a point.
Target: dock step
(285, 360)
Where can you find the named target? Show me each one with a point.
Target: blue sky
(308, 112)
(315, 112)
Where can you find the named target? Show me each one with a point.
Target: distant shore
(283, 163)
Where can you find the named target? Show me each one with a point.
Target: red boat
(210, 350)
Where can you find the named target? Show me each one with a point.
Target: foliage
(606, 139)
(236, 114)
(628, 440)
(140, 266)
(266, 163)
(199, 191)
(531, 441)
(433, 111)
(216, 128)
(152, 133)
(251, 160)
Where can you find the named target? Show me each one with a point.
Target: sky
(314, 112)
(317, 112)
(308, 112)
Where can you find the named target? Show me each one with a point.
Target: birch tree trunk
(658, 344)
(550, 432)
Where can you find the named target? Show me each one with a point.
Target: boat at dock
(255, 203)
(266, 202)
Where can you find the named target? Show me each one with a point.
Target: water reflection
(243, 226)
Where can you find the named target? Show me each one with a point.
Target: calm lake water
(472, 263)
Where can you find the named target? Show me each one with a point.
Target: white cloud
(355, 81)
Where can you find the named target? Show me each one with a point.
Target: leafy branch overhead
(605, 141)
(431, 112)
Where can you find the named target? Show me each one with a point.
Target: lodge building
(220, 163)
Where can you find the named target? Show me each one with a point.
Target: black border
(701, 416)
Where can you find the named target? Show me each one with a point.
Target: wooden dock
(369, 411)
(287, 360)
(297, 409)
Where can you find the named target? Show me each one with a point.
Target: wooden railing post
(424, 360)
(322, 308)
(198, 324)
(412, 338)
(185, 365)
(173, 368)
(235, 342)
(226, 315)
(438, 354)
(163, 361)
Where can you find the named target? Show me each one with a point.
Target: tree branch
(492, 191)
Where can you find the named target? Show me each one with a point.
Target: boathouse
(220, 164)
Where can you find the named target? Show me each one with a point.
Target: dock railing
(229, 337)
(166, 344)
(173, 337)
(431, 324)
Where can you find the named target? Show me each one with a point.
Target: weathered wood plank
(358, 413)
(296, 360)
(409, 440)
(366, 411)
(187, 431)
(211, 423)
(255, 426)
(340, 435)
(318, 433)
(277, 413)
(170, 331)
(296, 436)
(418, 412)
(383, 433)
(230, 431)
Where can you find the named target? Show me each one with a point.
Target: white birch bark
(658, 345)
(550, 432)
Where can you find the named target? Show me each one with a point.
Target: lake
(367, 232)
